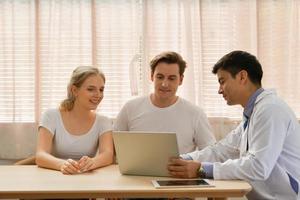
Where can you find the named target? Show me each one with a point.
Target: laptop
(144, 153)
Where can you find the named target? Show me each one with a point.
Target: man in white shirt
(164, 111)
(264, 149)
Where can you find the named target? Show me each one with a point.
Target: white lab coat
(274, 150)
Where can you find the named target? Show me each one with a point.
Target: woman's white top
(66, 145)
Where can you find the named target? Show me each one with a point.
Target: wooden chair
(27, 161)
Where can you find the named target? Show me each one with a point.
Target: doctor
(264, 149)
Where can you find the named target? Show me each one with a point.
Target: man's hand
(183, 168)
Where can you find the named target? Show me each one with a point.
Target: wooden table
(32, 182)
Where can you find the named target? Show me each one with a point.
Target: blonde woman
(70, 135)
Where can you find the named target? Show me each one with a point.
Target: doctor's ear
(243, 76)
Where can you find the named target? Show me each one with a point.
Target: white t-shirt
(66, 145)
(185, 119)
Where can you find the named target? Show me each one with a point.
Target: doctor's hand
(70, 167)
(183, 168)
(86, 164)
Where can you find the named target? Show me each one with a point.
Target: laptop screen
(145, 153)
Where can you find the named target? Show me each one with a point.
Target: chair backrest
(27, 161)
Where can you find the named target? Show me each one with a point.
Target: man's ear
(152, 76)
(243, 76)
(181, 79)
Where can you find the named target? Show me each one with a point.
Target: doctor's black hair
(236, 61)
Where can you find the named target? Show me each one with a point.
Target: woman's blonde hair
(79, 75)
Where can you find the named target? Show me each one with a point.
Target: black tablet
(181, 183)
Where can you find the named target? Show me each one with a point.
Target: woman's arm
(104, 157)
(45, 159)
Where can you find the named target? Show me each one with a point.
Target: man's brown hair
(169, 57)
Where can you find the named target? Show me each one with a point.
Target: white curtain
(41, 42)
